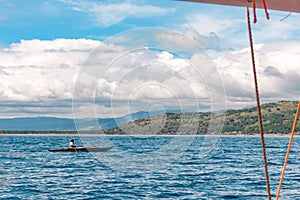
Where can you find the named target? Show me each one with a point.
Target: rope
(285, 17)
(266, 9)
(288, 151)
(254, 11)
(258, 106)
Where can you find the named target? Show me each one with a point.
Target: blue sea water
(154, 167)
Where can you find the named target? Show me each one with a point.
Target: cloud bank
(38, 77)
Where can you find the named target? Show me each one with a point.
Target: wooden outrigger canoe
(82, 149)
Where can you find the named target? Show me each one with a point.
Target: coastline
(145, 136)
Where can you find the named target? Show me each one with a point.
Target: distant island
(277, 119)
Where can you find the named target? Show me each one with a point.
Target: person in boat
(71, 145)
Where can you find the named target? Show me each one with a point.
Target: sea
(146, 167)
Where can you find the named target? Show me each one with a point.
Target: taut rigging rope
(258, 105)
(288, 150)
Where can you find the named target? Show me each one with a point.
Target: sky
(67, 58)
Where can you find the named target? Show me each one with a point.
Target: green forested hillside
(277, 118)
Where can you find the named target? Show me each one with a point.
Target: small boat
(82, 149)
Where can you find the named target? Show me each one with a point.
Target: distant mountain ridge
(277, 118)
(67, 124)
(37, 124)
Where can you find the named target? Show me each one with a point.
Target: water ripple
(233, 170)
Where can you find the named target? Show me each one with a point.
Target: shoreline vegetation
(277, 121)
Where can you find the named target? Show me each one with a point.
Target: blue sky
(36, 19)
(45, 43)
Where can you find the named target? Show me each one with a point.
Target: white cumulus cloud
(38, 77)
(277, 70)
(35, 69)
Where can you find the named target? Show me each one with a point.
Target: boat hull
(82, 149)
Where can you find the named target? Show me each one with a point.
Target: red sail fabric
(283, 5)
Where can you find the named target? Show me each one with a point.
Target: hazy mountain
(66, 124)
